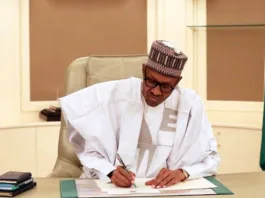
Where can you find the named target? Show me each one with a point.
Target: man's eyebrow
(150, 75)
(153, 78)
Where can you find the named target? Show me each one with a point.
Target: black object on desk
(13, 183)
(51, 114)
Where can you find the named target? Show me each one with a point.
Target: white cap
(171, 44)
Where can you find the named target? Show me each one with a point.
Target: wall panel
(235, 55)
(63, 30)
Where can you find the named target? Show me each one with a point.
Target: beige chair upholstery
(81, 73)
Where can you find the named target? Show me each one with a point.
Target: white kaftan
(112, 117)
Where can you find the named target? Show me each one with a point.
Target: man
(159, 129)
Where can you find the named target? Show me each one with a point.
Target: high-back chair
(82, 73)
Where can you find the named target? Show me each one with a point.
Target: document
(154, 192)
(84, 188)
(128, 191)
(142, 188)
(87, 188)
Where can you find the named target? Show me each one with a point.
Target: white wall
(33, 148)
(10, 62)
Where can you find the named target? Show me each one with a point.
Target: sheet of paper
(87, 188)
(192, 184)
(140, 183)
(188, 192)
(124, 191)
(90, 188)
(153, 192)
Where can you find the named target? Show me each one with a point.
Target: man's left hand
(166, 178)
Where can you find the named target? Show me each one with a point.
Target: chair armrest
(65, 169)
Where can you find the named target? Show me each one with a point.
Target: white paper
(164, 193)
(140, 183)
(192, 184)
(124, 191)
(88, 188)
(189, 192)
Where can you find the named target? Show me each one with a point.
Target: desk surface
(244, 185)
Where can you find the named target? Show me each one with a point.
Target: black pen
(123, 165)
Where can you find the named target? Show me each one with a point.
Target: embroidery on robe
(146, 145)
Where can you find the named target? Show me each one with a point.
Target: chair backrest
(81, 73)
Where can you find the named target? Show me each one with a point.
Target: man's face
(157, 87)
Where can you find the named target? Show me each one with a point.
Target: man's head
(162, 72)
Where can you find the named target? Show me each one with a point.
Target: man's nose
(156, 91)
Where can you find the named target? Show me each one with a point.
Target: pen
(123, 165)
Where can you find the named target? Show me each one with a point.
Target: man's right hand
(121, 178)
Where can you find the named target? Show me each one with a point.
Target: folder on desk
(221, 189)
(71, 189)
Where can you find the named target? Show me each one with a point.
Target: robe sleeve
(204, 148)
(91, 128)
(94, 164)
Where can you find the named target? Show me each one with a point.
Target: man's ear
(143, 69)
(179, 79)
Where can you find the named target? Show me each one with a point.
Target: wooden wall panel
(63, 30)
(235, 56)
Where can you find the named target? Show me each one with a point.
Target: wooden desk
(247, 185)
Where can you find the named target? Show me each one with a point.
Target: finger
(132, 174)
(117, 182)
(114, 181)
(125, 174)
(150, 182)
(160, 173)
(158, 181)
(165, 181)
(172, 182)
(121, 183)
(121, 179)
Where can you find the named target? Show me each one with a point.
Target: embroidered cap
(165, 59)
